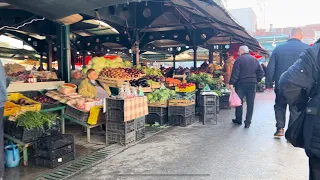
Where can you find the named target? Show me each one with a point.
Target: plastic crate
(54, 141)
(140, 122)
(77, 114)
(115, 104)
(55, 162)
(115, 115)
(209, 118)
(140, 134)
(224, 98)
(207, 100)
(153, 118)
(11, 109)
(177, 120)
(182, 110)
(158, 110)
(21, 133)
(123, 139)
(206, 110)
(121, 127)
(14, 97)
(52, 154)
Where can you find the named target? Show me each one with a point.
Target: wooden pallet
(158, 104)
(178, 102)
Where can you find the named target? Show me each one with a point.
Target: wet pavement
(210, 152)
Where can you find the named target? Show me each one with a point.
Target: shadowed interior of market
(62, 36)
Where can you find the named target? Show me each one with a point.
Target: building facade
(247, 18)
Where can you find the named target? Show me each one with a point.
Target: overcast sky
(281, 13)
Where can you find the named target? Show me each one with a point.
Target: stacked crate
(181, 115)
(208, 109)
(117, 130)
(224, 101)
(55, 150)
(157, 115)
(140, 128)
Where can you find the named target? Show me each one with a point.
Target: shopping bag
(234, 99)
(294, 133)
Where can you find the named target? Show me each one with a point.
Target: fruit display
(203, 79)
(191, 96)
(14, 69)
(172, 81)
(150, 71)
(44, 99)
(185, 87)
(160, 95)
(22, 102)
(121, 73)
(98, 63)
(139, 82)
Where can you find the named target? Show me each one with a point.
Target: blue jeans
(248, 91)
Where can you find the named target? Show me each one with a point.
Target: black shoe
(236, 122)
(279, 133)
(247, 126)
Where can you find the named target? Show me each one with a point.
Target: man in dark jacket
(281, 59)
(294, 85)
(246, 73)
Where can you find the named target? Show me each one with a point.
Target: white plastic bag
(234, 99)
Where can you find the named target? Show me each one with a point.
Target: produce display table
(26, 145)
(89, 127)
(39, 86)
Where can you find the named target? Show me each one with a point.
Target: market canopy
(190, 22)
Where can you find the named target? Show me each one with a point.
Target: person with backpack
(299, 86)
(282, 57)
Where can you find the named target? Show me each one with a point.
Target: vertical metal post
(49, 54)
(174, 58)
(195, 56)
(66, 54)
(84, 59)
(60, 53)
(73, 62)
(210, 54)
(41, 61)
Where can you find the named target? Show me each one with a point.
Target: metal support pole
(66, 54)
(41, 61)
(210, 54)
(84, 59)
(73, 62)
(60, 53)
(195, 56)
(174, 58)
(49, 54)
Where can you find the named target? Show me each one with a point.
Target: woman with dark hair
(91, 88)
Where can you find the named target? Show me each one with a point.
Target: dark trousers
(314, 168)
(248, 91)
(1, 144)
(280, 109)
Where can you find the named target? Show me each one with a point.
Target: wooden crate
(158, 104)
(178, 102)
(111, 82)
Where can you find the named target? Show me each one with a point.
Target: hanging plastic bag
(234, 99)
(134, 92)
(140, 92)
(127, 91)
(121, 93)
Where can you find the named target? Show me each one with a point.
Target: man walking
(281, 59)
(4, 83)
(246, 73)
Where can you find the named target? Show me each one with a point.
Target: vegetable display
(160, 95)
(139, 82)
(121, 73)
(98, 63)
(185, 96)
(31, 120)
(173, 81)
(44, 99)
(22, 102)
(150, 71)
(203, 79)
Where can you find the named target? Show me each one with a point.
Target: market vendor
(91, 88)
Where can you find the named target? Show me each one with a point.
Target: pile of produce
(185, 87)
(160, 95)
(32, 120)
(14, 69)
(43, 99)
(121, 73)
(22, 102)
(150, 71)
(172, 81)
(98, 63)
(139, 82)
(203, 79)
(186, 96)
